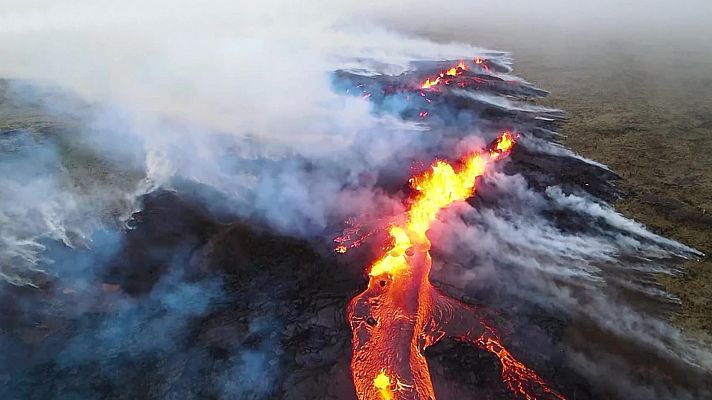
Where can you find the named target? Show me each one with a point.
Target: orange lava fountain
(400, 313)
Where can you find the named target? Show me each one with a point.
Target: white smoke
(179, 89)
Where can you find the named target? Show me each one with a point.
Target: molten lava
(480, 62)
(352, 237)
(441, 77)
(514, 374)
(400, 313)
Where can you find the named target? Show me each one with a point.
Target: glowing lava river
(401, 313)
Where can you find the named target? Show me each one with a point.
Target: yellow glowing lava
(383, 384)
(437, 188)
(454, 71)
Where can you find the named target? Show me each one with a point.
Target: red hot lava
(401, 313)
(446, 76)
(454, 71)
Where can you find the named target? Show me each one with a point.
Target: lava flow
(454, 71)
(400, 313)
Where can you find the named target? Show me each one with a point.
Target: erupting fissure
(454, 71)
(401, 313)
(448, 75)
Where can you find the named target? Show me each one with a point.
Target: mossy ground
(646, 111)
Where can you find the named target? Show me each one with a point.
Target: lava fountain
(401, 313)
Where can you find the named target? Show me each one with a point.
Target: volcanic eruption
(401, 313)
(169, 224)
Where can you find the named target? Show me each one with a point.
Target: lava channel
(401, 313)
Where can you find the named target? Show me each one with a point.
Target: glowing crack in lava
(400, 313)
(447, 76)
(454, 71)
